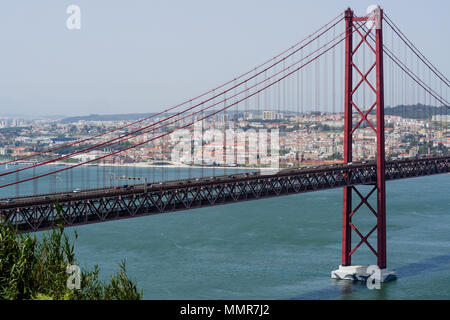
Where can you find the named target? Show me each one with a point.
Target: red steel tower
(353, 27)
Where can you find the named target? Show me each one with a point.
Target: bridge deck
(42, 212)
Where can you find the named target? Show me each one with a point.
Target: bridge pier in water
(346, 270)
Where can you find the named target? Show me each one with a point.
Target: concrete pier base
(360, 273)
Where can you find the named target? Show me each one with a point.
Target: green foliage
(13, 130)
(335, 156)
(36, 269)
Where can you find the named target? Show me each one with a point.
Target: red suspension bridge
(354, 103)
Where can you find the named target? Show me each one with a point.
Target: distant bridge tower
(347, 270)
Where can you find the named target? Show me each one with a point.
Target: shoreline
(174, 166)
(171, 166)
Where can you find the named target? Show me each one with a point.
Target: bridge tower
(346, 269)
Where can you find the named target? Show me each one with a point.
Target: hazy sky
(143, 55)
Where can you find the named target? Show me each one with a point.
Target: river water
(279, 248)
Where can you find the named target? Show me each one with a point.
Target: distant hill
(409, 111)
(415, 111)
(107, 117)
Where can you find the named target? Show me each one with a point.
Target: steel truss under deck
(37, 213)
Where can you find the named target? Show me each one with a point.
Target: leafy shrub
(36, 269)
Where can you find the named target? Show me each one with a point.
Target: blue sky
(143, 55)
